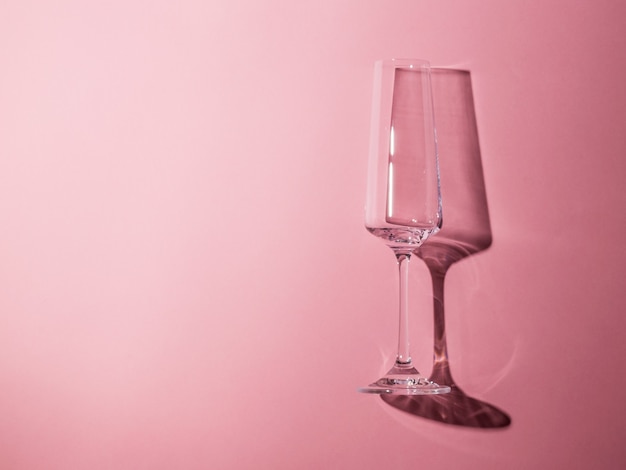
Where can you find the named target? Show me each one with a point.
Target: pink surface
(185, 280)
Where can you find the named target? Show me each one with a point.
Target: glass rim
(404, 63)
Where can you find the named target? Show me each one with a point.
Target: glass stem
(404, 357)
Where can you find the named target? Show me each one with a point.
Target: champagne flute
(403, 197)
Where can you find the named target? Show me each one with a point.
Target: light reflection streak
(392, 149)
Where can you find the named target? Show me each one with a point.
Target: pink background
(185, 280)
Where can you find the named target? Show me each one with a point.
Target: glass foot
(404, 380)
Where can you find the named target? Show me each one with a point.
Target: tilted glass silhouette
(466, 231)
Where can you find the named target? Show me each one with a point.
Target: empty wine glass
(403, 197)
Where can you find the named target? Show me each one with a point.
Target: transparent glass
(403, 205)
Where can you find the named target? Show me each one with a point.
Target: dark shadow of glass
(466, 231)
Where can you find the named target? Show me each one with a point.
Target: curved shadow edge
(454, 408)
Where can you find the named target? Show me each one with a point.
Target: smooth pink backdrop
(185, 280)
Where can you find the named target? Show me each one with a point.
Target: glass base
(404, 379)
